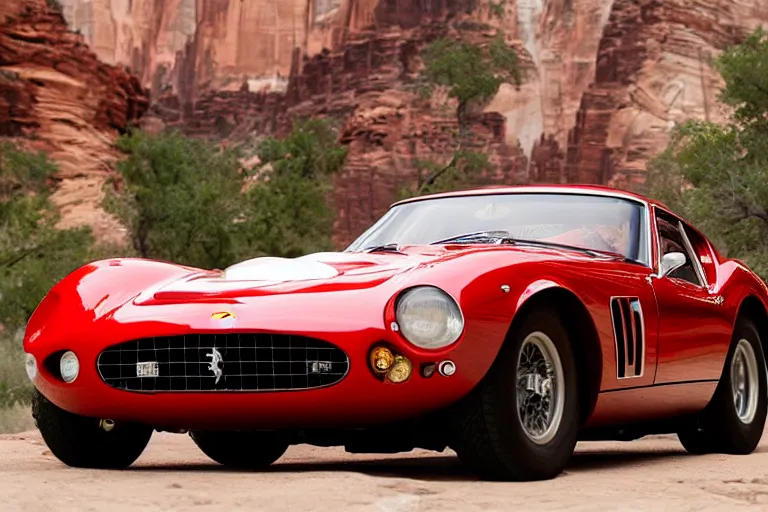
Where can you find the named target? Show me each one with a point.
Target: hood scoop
(274, 269)
(254, 274)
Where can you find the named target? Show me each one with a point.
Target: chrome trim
(399, 295)
(225, 391)
(745, 382)
(528, 190)
(642, 336)
(693, 255)
(688, 247)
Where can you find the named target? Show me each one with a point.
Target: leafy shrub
(717, 176)
(189, 201)
(34, 255)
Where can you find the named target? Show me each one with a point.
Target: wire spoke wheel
(745, 384)
(540, 388)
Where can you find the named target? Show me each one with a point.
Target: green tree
(190, 201)
(472, 75)
(181, 198)
(465, 171)
(288, 214)
(717, 176)
(34, 255)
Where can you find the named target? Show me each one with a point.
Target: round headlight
(429, 318)
(31, 367)
(69, 366)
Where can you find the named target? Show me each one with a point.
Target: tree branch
(436, 174)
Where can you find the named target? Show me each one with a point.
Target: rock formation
(56, 96)
(608, 79)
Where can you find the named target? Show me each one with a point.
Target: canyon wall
(606, 81)
(56, 96)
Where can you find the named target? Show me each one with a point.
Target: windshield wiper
(503, 237)
(591, 252)
(392, 247)
(498, 237)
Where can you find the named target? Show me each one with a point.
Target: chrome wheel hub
(745, 384)
(540, 388)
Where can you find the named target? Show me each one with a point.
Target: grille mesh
(249, 362)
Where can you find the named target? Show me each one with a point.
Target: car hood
(326, 271)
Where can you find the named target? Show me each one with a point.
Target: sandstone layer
(56, 96)
(606, 82)
(607, 79)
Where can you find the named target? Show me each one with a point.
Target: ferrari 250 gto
(505, 323)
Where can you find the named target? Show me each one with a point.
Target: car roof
(593, 190)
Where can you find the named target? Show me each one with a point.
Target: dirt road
(649, 474)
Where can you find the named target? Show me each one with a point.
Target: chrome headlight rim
(404, 329)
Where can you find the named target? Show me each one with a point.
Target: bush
(717, 176)
(181, 196)
(187, 200)
(34, 255)
(288, 214)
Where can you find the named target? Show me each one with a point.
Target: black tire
(719, 429)
(490, 438)
(80, 442)
(242, 450)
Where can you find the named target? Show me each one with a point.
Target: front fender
(93, 291)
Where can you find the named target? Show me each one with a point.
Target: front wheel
(80, 442)
(733, 421)
(243, 450)
(521, 422)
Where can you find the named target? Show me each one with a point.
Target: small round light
(69, 366)
(400, 371)
(31, 367)
(446, 368)
(429, 318)
(381, 359)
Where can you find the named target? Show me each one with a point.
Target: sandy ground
(649, 474)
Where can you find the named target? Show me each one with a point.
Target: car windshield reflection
(600, 223)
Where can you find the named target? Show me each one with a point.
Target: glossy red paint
(686, 328)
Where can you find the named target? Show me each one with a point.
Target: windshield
(587, 221)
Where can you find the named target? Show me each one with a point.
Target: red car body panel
(687, 330)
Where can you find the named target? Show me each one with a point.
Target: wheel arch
(753, 308)
(582, 334)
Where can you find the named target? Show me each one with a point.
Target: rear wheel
(81, 442)
(244, 450)
(733, 421)
(522, 420)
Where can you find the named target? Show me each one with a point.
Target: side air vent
(629, 333)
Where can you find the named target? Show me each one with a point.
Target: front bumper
(359, 399)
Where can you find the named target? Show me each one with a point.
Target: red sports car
(506, 324)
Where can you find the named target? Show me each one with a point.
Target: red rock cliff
(609, 78)
(57, 95)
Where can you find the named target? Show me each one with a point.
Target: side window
(672, 240)
(704, 255)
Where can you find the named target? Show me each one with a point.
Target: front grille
(248, 362)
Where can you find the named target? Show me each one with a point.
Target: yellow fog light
(381, 359)
(400, 371)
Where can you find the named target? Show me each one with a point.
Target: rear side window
(703, 253)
